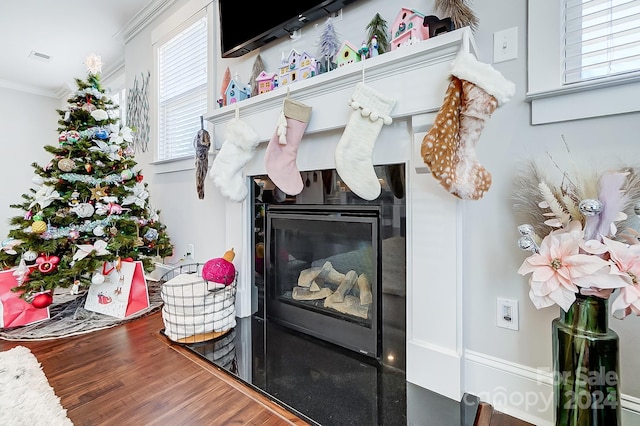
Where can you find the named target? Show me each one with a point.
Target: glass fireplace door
(322, 273)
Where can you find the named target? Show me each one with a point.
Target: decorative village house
(267, 81)
(236, 92)
(408, 28)
(347, 54)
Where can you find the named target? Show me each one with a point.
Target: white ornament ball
(29, 256)
(126, 174)
(38, 180)
(97, 279)
(98, 231)
(84, 210)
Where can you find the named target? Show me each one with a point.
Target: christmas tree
(329, 46)
(90, 207)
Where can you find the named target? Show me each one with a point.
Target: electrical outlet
(336, 16)
(507, 313)
(190, 253)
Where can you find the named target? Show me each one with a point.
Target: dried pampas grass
(459, 12)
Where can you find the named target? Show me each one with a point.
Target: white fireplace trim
(417, 77)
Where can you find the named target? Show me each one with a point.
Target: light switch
(505, 45)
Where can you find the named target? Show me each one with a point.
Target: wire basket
(196, 310)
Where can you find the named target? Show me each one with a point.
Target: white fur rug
(25, 395)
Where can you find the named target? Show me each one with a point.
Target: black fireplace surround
(323, 269)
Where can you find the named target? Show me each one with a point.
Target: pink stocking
(282, 152)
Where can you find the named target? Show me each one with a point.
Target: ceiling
(67, 31)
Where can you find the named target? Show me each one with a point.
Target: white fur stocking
(355, 148)
(240, 142)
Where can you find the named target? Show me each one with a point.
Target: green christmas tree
(377, 28)
(89, 208)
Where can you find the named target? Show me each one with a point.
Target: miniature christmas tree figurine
(90, 208)
(377, 30)
(329, 46)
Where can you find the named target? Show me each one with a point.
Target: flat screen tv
(244, 28)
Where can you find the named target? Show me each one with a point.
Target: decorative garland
(75, 177)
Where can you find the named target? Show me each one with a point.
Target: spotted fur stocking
(475, 91)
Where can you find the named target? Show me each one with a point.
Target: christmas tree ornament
(98, 231)
(42, 300)
(102, 134)
(8, 245)
(98, 192)
(74, 234)
(202, 144)
(97, 278)
(62, 138)
(475, 90)
(46, 263)
(21, 272)
(73, 136)
(126, 174)
(221, 269)
(66, 164)
(88, 167)
(88, 107)
(100, 115)
(281, 154)
(37, 180)
(139, 178)
(38, 227)
(29, 255)
(371, 110)
(83, 210)
(238, 147)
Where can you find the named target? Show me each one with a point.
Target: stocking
(239, 145)
(355, 148)
(282, 152)
(475, 91)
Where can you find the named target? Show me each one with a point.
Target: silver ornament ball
(590, 207)
(526, 243)
(526, 229)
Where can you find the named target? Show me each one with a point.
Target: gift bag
(123, 293)
(15, 311)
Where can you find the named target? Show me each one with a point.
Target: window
(182, 89)
(583, 58)
(602, 38)
(120, 99)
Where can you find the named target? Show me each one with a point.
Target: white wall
(28, 123)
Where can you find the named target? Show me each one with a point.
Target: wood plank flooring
(133, 375)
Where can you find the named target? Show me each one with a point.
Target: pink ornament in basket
(220, 270)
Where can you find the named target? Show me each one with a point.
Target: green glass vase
(585, 365)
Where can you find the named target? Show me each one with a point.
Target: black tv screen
(243, 29)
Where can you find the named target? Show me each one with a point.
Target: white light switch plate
(505, 45)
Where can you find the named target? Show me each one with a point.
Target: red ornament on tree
(42, 299)
(220, 270)
(139, 178)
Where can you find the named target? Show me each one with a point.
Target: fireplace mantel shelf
(410, 75)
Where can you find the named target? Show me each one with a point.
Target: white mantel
(417, 77)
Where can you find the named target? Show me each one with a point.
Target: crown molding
(29, 89)
(141, 19)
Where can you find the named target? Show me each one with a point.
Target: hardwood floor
(132, 375)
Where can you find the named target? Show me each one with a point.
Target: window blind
(601, 38)
(182, 90)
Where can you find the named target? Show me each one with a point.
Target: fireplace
(333, 266)
(322, 273)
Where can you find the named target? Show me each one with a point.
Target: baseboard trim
(522, 392)
(435, 368)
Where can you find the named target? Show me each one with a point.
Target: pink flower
(627, 259)
(557, 265)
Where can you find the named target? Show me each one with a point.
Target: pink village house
(266, 82)
(408, 28)
(347, 54)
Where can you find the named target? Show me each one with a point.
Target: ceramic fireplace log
(320, 275)
(350, 305)
(347, 284)
(301, 293)
(364, 286)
